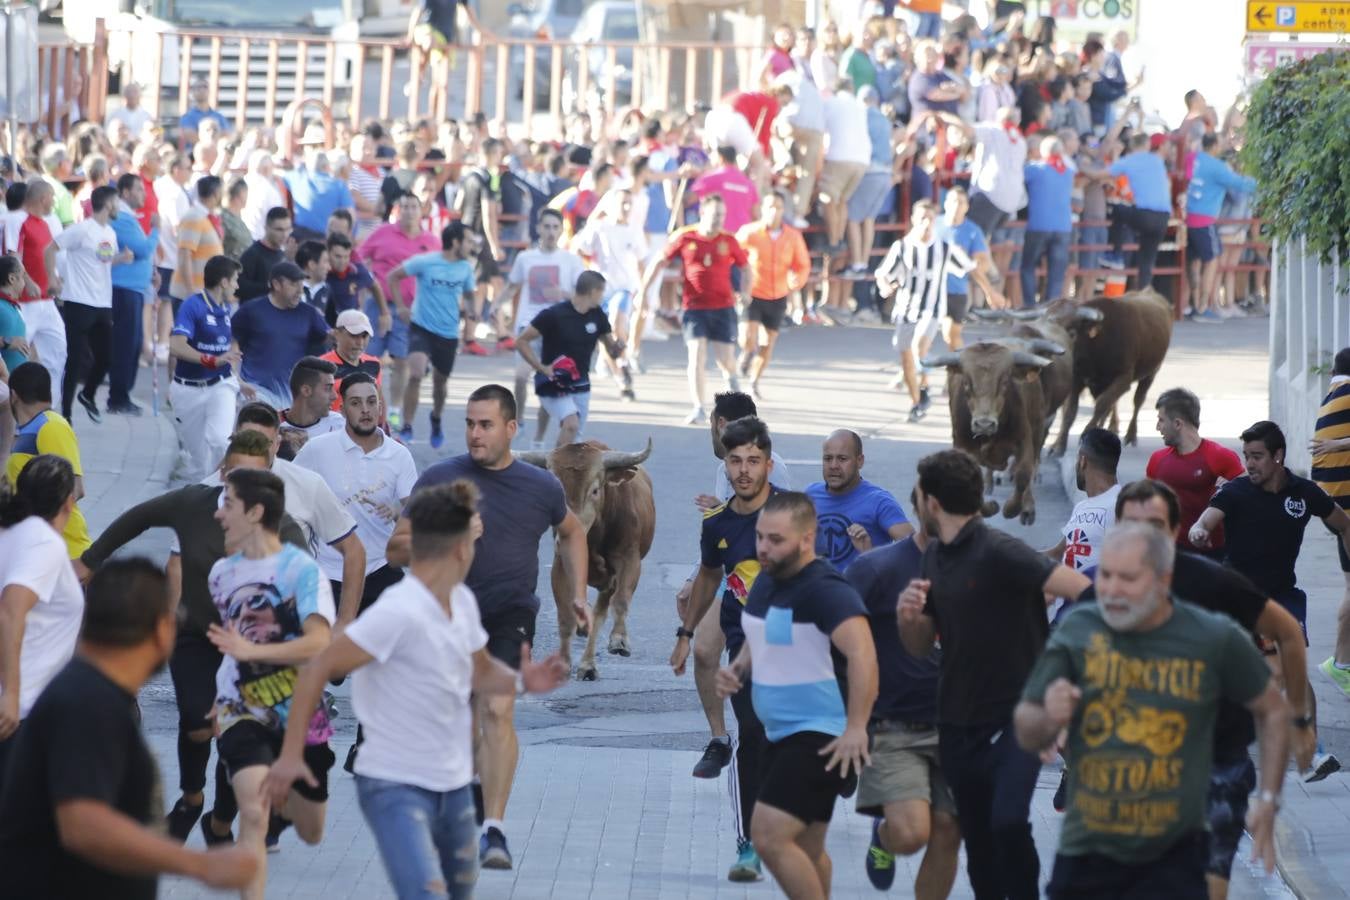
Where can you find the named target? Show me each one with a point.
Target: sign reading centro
(1313, 16)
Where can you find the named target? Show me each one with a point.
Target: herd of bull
(1003, 391)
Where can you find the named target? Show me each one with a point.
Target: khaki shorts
(904, 767)
(838, 180)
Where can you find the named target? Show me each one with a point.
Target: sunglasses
(255, 603)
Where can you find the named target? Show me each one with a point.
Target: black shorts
(507, 629)
(1296, 602)
(440, 350)
(795, 779)
(768, 313)
(1203, 243)
(957, 307)
(193, 667)
(375, 585)
(487, 267)
(712, 324)
(249, 743)
(1230, 784)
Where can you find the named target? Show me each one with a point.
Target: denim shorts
(424, 836)
(395, 343)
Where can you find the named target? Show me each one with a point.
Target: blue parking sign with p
(1285, 15)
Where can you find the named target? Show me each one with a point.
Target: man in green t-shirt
(1136, 679)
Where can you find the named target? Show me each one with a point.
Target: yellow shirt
(48, 432)
(1331, 471)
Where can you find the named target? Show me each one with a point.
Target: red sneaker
(473, 348)
(506, 345)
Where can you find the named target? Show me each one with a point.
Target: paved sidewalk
(1314, 855)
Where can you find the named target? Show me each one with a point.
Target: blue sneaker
(492, 850)
(405, 434)
(747, 867)
(1208, 317)
(437, 436)
(880, 862)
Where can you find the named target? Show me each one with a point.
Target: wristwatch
(683, 632)
(1302, 721)
(1269, 797)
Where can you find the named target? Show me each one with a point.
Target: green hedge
(1298, 147)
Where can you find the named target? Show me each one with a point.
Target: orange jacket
(779, 265)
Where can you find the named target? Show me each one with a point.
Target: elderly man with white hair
(264, 193)
(1135, 680)
(1049, 183)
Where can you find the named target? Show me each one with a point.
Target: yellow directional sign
(1321, 16)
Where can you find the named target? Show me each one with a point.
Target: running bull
(611, 493)
(998, 412)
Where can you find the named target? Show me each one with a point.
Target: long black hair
(41, 489)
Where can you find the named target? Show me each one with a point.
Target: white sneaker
(696, 417)
(1323, 765)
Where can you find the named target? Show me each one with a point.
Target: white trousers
(205, 417)
(47, 333)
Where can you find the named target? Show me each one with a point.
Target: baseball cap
(353, 321)
(1156, 140)
(287, 270)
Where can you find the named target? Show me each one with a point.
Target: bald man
(853, 514)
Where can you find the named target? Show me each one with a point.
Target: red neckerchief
(1013, 131)
(373, 170)
(219, 226)
(1056, 162)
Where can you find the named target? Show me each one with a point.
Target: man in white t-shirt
(417, 655)
(1081, 544)
(39, 595)
(848, 152)
(310, 414)
(91, 249)
(371, 475)
(540, 277)
(131, 113)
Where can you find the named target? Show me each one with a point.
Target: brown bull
(998, 413)
(1032, 326)
(611, 493)
(1127, 346)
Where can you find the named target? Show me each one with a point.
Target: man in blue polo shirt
(853, 514)
(1147, 217)
(958, 229)
(1049, 218)
(445, 280)
(273, 332)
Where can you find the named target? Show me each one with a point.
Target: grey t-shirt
(519, 505)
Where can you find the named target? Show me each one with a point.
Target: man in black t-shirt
(78, 809)
(984, 592)
(570, 330)
(1264, 514)
(903, 786)
(479, 203)
(1205, 583)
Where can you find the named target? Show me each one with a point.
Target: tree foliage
(1297, 145)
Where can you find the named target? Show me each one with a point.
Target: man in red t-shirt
(707, 255)
(1190, 465)
(37, 251)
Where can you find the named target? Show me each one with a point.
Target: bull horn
(1089, 314)
(1030, 360)
(989, 315)
(622, 459)
(533, 457)
(945, 361)
(1025, 315)
(1045, 347)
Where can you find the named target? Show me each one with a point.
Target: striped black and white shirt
(921, 270)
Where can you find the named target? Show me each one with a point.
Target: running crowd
(1161, 637)
(301, 305)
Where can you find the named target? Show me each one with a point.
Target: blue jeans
(1054, 245)
(127, 333)
(428, 840)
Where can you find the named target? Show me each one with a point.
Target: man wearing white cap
(351, 335)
